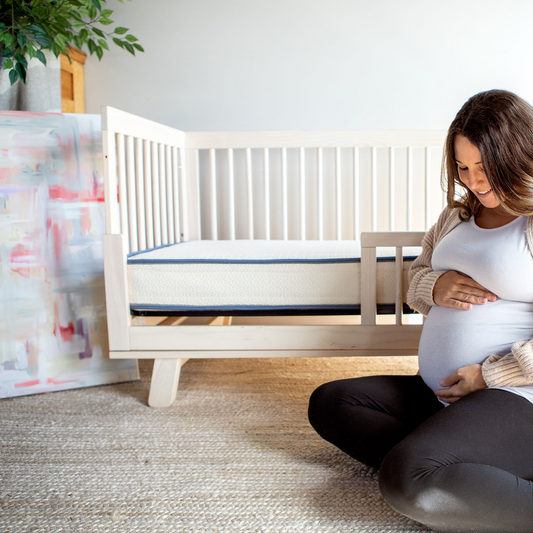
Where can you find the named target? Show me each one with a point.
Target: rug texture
(235, 453)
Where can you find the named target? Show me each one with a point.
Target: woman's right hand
(454, 289)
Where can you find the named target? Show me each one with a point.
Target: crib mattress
(258, 275)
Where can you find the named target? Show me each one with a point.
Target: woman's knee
(321, 403)
(409, 481)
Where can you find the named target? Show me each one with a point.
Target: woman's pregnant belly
(452, 338)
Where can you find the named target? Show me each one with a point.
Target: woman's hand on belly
(454, 289)
(463, 381)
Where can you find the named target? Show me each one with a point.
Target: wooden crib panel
(158, 194)
(116, 291)
(369, 244)
(229, 341)
(303, 209)
(313, 139)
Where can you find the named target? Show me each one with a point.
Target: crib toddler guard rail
(175, 186)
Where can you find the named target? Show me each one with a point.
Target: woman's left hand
(463, 381)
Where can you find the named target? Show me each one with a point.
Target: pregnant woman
(454, 444)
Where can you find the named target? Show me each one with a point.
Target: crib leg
(165, 377)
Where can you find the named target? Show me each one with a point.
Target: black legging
(466, 467)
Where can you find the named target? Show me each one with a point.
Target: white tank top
(500, 260)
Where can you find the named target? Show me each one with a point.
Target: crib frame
(154, 170)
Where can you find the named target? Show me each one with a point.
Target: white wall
(312, 64)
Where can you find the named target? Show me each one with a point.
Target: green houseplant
(27, 27)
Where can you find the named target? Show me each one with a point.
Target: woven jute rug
(235, 453)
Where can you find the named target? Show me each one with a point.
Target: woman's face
(471, 173)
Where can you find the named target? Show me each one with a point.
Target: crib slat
(374, 189)
(176, 195)
(399, 285)
(132, 204)
(213, 190)
(122, 186)
(284, 194)
(356, 195)
(139, 185)
(249, 193)
(338, 190)
(188, 167)
(111, 191)
(302, 194)
(266, 190)
(156, 195)
(392, 191)
(163, 195)
(170, 195)
(176, 192)
(320, 192)
(149, 215)
(231, 194)
(409, 188)
(368, 285)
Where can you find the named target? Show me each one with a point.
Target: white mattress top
(259, 251)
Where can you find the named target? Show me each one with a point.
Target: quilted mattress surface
(257, 275)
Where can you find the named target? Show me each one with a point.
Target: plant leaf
(2, 27)
(118, 42)
(43, 40)
(41, 57)
(7, 53)
(21, 59)
(139, 47)
(13, 76)
(103, 44)
(120, 30)
(8, 63)
(106, 12)
(8, 39)
(131, 38)
(61, 41)
(35, 29)
(105, 21)
(129, 48)
(21, 71)
(97, 4)
(98, 32)
(99, 53)
(92, 12)
(21, 38)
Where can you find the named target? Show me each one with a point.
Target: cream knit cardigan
(511, 370)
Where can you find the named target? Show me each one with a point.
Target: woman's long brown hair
(500, 124)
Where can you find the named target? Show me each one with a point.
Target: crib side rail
(369, 243)
(150, 197)
(316, 184)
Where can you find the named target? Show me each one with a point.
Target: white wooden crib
(166, 186)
